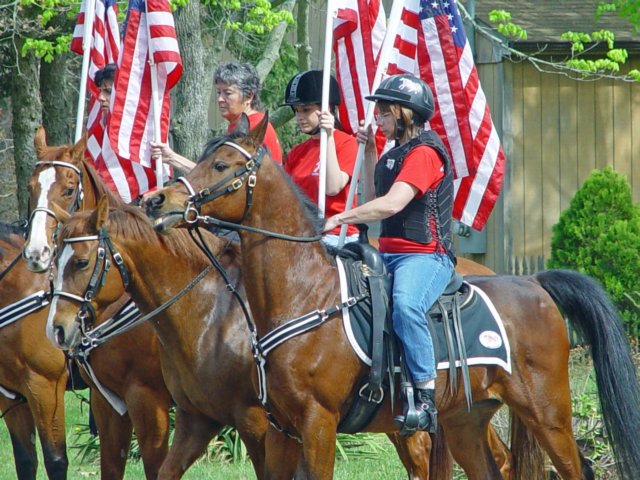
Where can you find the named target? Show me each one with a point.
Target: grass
(372, 457)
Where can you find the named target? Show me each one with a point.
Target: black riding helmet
(408, 91)
(306, 88)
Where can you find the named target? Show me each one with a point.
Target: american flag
(105, 48)
(127, 155)
(431, 43)
(358, 32)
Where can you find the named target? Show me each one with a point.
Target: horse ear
(40, 142)
(256, 136)
(242, 126)
(77, 151)
(61, 214)
(102, 212)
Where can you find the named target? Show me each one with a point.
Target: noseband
(246, 173)
(87, 314)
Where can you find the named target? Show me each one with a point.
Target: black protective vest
(435, 206)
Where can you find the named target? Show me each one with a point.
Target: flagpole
(326, 79)
(155, 102)
(89, 17)
(383, 62)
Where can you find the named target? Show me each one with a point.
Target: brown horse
(236, 183)
(64, 177)
(129, 364)
(31, 368)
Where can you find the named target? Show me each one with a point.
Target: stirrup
(415, 418)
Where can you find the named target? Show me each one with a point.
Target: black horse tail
(591, 312)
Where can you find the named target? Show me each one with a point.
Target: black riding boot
(419, 412)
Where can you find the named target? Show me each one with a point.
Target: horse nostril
(155, 202)
(59, 335)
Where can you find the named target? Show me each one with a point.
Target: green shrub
(599, 235)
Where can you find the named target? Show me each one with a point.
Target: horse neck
(157, 275)
(283, 279)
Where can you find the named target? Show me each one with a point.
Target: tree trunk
(58, 98)
(272, 48)
(8, 198)
(27, 116)
(189, 125)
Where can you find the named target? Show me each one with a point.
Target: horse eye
(82, 263)
(220, 166)
(68, 192)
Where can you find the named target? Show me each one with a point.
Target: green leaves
(502, 21)
(599, 234)
(46, 49)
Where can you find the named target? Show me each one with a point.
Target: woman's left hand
(326, 121)
(331, 223)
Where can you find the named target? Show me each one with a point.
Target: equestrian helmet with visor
(408, 91)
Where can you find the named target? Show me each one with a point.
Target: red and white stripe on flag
(104, 49)
(127, 154)
(431, 43)
(358, 32)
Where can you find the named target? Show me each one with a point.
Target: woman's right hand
(363, 133)
(161, 150)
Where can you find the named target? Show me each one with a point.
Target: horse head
(221, 185)
(56, 178)
(84, 283)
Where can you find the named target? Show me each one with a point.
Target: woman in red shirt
(414, 201)
(304, 96)
(237, 91)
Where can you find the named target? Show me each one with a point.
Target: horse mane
(100, 186)
(8, 233)
(130, 222)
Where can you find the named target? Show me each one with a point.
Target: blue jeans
(333, 240)
(418, 281)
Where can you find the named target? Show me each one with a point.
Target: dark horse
(33, 375)
(128, 365)
(236, 182)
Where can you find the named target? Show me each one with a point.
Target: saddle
(370, 322)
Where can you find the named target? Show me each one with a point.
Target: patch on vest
(390, 163)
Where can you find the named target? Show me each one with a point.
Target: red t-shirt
(303, 165)
(422, 169)
(270, 138)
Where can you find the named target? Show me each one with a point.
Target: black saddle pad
(484, 335)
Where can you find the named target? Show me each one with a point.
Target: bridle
(244, 175)
(128, 317)
(106, 253)
(76, 203)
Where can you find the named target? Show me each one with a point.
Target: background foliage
(599, 234)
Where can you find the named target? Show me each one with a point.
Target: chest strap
(22, 308)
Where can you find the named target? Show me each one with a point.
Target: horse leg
(22, 431)
(282, 457)
(414, 452)
(46, 400)
(469, 433)
(500, 452)
(252, 427)
(149, 412)
(191, 436)
(114, 431)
